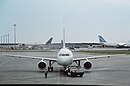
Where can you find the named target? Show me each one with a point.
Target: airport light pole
(8, 38)
(15, 35)
(1, 39)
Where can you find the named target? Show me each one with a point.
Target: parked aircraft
(70, 45)
(35, 46)
(115, 45)
(64, 58)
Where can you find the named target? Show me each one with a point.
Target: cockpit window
(63, 54)
(67, 54)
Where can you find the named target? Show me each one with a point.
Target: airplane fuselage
(64, 57)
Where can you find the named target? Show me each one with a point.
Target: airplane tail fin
(101, 39)
(63, 38)
(61, 43)
(49, 41)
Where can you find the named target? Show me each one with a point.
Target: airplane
(27, 46)
(70, 45)
(75, 45)
(64, 58)
(34, 46)
(115, 45)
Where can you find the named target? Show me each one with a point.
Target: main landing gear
(50, 67)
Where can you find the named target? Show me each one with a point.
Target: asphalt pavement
(105, 71)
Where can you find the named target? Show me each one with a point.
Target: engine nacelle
(41, 65)
(87, 65)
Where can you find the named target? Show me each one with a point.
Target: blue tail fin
(49, 41)
(101, 39)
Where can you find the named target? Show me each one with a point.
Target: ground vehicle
(74, 71)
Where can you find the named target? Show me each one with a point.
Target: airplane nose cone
(65, 60)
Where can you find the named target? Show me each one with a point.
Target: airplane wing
(31, 57)
(94, 57)
(55, 60)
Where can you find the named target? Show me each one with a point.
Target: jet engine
(87, 65)
(41, 65)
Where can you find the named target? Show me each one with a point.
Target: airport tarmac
(91, 49)
(105, 71)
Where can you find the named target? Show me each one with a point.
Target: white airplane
(64, 58)
(32, 46)
(115, 45)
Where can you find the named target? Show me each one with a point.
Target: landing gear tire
(72, 74)
(81, 75)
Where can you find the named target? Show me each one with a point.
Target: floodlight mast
(15, 35)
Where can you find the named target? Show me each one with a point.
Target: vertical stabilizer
(63, 38)
(61, 43)
(101, 39)
(49, 41)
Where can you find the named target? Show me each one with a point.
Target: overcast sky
(83, 20)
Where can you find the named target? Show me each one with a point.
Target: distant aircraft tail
(101, 39)
(49, 41)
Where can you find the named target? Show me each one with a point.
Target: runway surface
(105, 71)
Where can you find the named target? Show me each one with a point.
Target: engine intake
(42, 65)
(87, 65)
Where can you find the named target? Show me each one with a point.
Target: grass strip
(106, 51)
